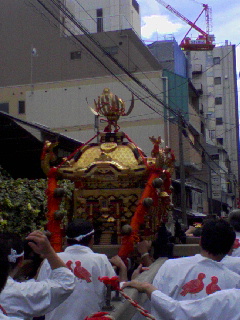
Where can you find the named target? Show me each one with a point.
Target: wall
(170, 55)
(62, 106)
(117, 15)
(225, 69)
(27, 26)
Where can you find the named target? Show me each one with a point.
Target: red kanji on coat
(81, 272)
(236, 244)
(213, 286)
(193, 286)
(69, 265)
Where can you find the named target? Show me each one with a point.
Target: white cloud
(158, 24)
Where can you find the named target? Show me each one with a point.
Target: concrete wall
(63, 107)
(170, 55)
(27, 26)
(117, 15)
(227, 110)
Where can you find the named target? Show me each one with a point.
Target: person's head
(15, 248)
(234, 219)
(217, 237)
(81, 232)
(197, 232)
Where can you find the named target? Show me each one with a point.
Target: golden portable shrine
(123, 192)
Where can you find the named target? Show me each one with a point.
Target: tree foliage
(23, 203)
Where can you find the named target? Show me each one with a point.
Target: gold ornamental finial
(112, 107)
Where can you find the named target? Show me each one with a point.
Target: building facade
(214, 75)
(102, 16)
(57, 76)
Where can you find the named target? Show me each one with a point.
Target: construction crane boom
(178, 14)
(204, 42)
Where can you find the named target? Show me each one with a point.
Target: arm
(33, 299)
(219, 305)
(141, 287)
(40, 244)
(28, 299)
(118, 262)
(143, 248)
(138, 271)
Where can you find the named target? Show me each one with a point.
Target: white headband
(82, 236)
(12, 257)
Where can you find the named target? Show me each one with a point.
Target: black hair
(4, 265)
(162, 245)
(217, 237)
(197, 232)
(11, 241)
(234, 219)
(76, 228)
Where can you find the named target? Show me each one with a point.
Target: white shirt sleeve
(28, 299)
(221, 305)
(162, 279)
(3, 317)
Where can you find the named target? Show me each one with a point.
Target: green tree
(23, 203)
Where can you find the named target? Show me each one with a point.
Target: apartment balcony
(199, 88)
(197, 69)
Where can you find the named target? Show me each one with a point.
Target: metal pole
(96, 126)
(31, 66)
(210, 192)
(182, 170)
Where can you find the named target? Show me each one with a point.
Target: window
(211, 134)
(215, 157)
(112, 50)
(202, 128)
(21, 107)
(135, 5)
(220, 141)
(99, 20)
(216, 60)
(217, 80)
(76, 55)
(218, 100)
(4, 107)
(219, 121)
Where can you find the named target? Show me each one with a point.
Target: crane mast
(205, 40)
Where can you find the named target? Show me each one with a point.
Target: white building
(214, 76)
(102, 15)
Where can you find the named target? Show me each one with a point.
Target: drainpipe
(166, 100)
(126, 36)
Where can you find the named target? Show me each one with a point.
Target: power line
(113, 41)
(113, 59)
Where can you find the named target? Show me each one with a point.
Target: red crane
(204, 40)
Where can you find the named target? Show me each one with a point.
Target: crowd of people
(204, 286)
(67, 286)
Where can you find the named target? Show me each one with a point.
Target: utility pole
(96, 126)
(182, 170)
(210, 191)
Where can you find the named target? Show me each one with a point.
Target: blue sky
(158, 21)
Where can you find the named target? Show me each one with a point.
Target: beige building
(102, 16)
(54, 77)
(214, 75)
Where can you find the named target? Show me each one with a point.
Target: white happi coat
(89, 294)
(222, 305)
(32, 299)
(236, 251)
(232, 263)
(194, 277)
(3, 317)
